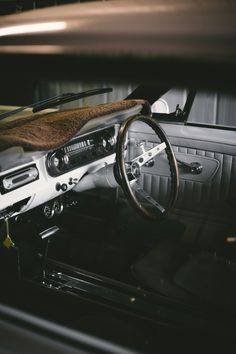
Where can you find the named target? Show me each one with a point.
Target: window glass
(213, 108)
(47, 89)
(208, 108)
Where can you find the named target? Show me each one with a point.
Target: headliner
(157, 28)
(175, 36)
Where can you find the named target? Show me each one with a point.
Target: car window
(216, 109)
(213, 108)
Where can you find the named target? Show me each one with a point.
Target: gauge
(48, 211)
(57, 207)
(58, 161)
(107, 142)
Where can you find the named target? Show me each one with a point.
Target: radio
(81, 151)
(18, 178)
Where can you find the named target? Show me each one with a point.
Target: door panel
(214, 190)
(210, 165)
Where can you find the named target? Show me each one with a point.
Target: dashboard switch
(73, 181)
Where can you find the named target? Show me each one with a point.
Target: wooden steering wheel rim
(121, 167)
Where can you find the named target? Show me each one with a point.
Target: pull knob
(62, 187)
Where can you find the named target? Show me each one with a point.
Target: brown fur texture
(51, 130)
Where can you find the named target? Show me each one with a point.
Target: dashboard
(47, 176)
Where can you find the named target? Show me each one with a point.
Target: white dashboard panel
(45, 187)
(48, 186)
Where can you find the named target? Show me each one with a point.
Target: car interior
(122, 199)
(117, 176)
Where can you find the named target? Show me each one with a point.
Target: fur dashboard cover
(51, 130)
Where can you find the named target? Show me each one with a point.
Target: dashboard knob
(62, 187)
(48, 211)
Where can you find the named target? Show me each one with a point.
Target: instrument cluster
(81, 151)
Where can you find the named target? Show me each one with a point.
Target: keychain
(8, 241)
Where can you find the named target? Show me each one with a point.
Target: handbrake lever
(48, 232)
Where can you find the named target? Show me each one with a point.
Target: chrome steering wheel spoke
(148, 155)
(144, 195)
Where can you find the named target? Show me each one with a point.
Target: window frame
(182, 117)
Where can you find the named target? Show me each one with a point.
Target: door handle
(193, 167)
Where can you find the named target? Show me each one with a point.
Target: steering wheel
(129, 169)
